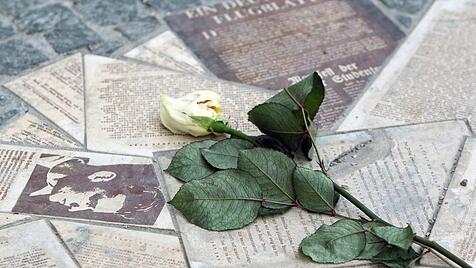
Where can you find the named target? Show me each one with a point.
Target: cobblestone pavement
(35, 31)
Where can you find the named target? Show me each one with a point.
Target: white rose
(177, 114)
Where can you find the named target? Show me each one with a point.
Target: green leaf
(373, 244)
(224, 154)
(274, 173)
(400, 237)
(188, 163)
(225, 200)
(280, 122)
(309, 92)
(269, 142)
(306, 144)
(314, 190)
(263, 211)
(378, 250)
(395, 257)
(340, 242)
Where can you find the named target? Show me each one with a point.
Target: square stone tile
(139, 28)
(6, 30)
(108, 12)
(71, 34)
(172, 5)
(18, 55)
(16, 7)
(42, 19)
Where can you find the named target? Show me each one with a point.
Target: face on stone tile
(72, 187)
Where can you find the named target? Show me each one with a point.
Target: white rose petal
(176, 113)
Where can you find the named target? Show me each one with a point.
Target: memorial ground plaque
(429, 78)
(273, 44)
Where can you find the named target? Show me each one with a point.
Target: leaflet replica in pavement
(167, 50)
(8, 218)
(121, 113)
(82, 185)
(56, 91)
(101, 246)
(456, 223)
(91, 245)
(33, 244)
(123, 104)
(21, 124)
(430, 78)
(398, 172)
(116, 190)
(272, 44)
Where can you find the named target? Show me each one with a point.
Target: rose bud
(186, 115)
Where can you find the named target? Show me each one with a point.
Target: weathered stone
(108, 12)
(172, 5)
(3, 100)
(4, 117)
(6, 30)
(17, 55)
(7, 101)
(16, 7)
(43, 19)
(105, 48)
(407, 6)
(70, 34)
(10, 106)
(139, 28)
(405, 20)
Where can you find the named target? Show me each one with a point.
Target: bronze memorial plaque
(274, 43)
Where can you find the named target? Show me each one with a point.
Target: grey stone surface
(17, 55)
(8, 115)
(6, 30)
(408, 6)
(404, 20)
(405, 13)
(107, 12)
(42, 19)
(172, 5)
(16, 7)
(45, 29)
(138, 28)
(71, 34)
(105, 48)
(10, 106)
